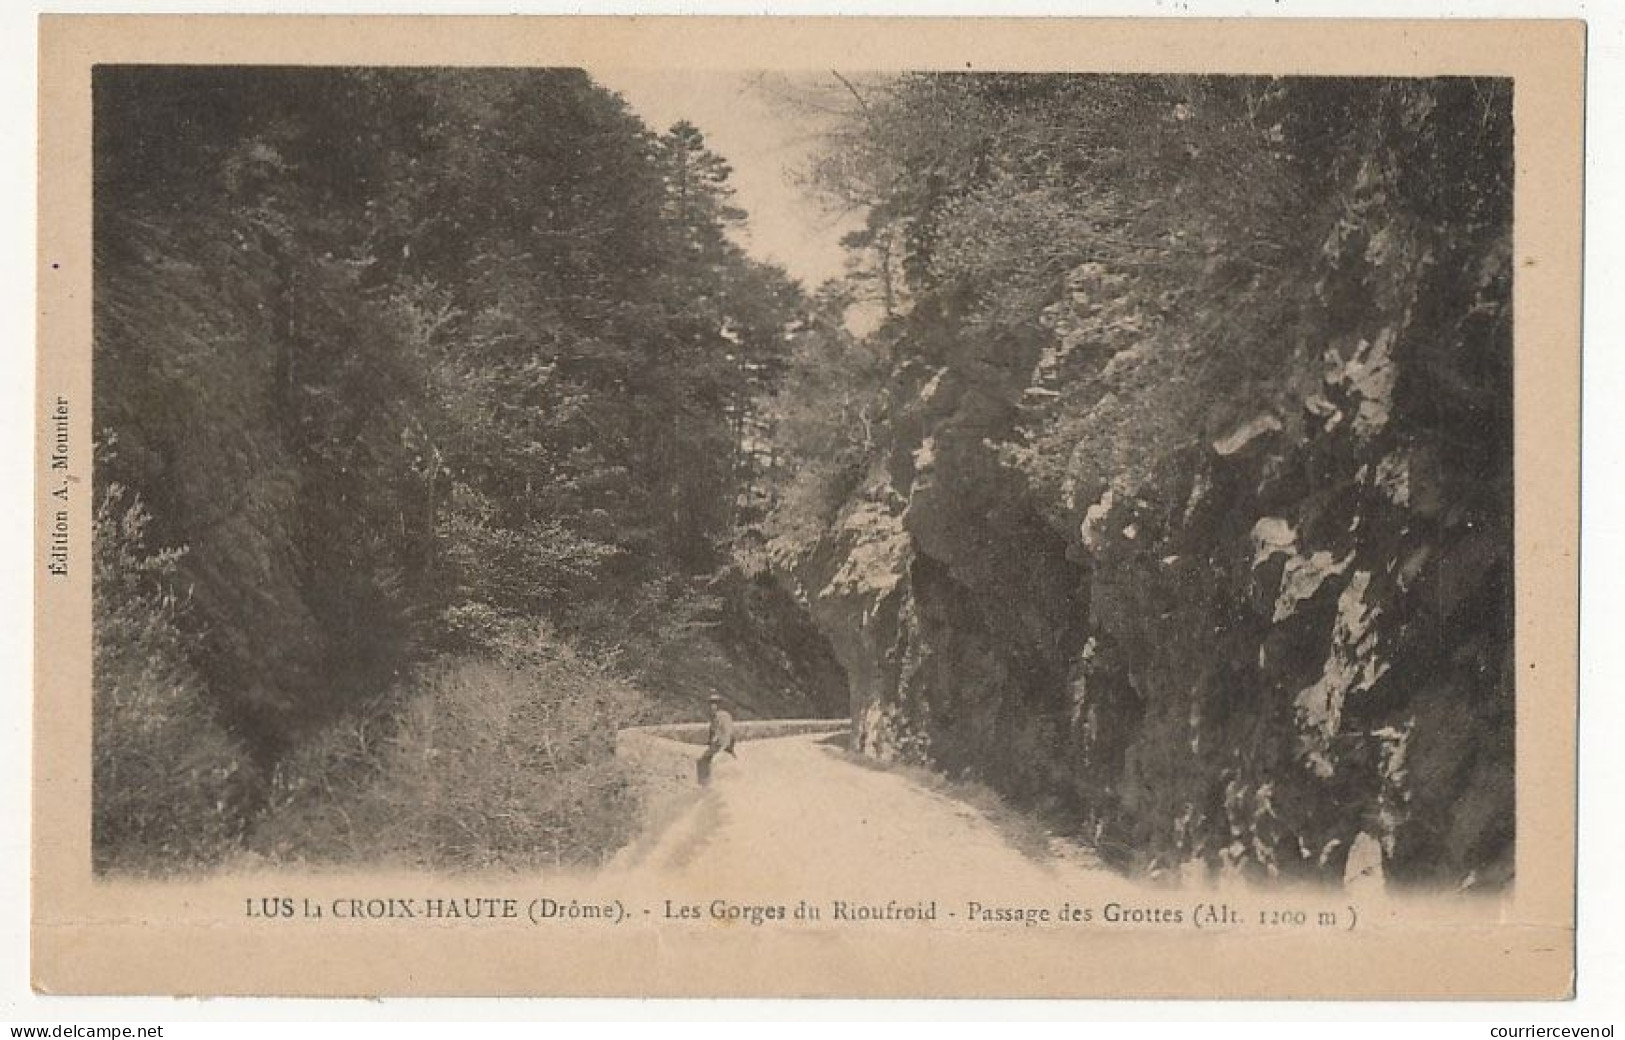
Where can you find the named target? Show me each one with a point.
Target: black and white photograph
(1128, 454)
(785, 504)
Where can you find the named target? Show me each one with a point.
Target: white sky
(763, 143)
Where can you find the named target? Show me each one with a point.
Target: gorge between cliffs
(1148, 462)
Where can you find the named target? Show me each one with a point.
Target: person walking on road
(720, 738)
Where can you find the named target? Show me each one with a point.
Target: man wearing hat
(720, 738)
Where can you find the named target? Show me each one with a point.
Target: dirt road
(795, 813)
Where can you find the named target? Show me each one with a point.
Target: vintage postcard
(807, 507)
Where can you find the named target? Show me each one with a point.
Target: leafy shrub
(826, 420)
(490, 762)
(167, 780)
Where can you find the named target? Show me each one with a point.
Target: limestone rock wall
(1236, 606)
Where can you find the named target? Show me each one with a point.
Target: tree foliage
(402, 361)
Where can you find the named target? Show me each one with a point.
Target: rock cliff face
(1228, 597)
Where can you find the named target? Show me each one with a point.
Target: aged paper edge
(179, 938)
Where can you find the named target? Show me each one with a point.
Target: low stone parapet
(670, 750)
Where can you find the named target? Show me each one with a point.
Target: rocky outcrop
(1228, 596)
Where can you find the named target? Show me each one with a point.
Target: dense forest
(1151, 464)
(424, 404)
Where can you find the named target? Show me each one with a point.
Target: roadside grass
(486, 764)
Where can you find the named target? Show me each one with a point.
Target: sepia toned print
(576, 518)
